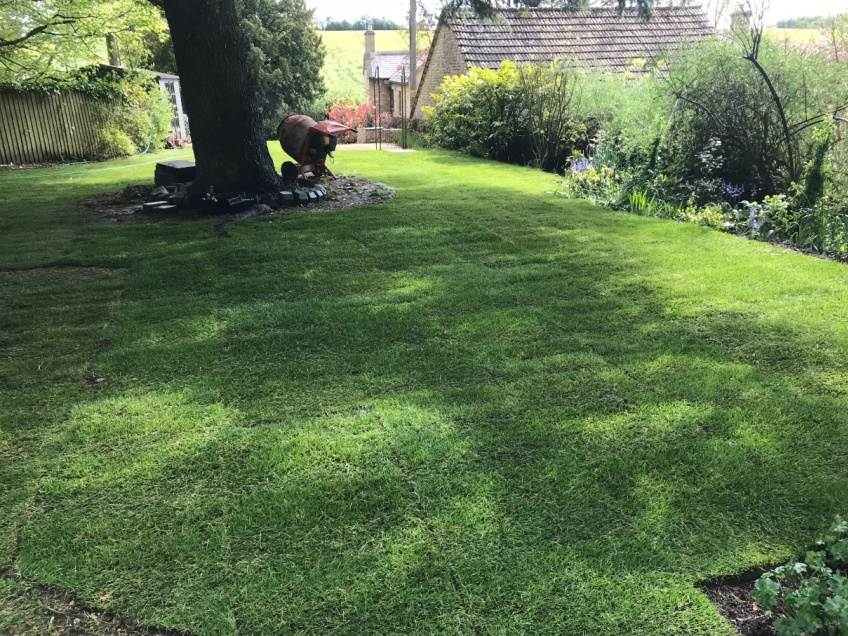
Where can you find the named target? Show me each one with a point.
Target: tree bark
(219, 95)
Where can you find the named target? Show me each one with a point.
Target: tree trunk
(219, 96)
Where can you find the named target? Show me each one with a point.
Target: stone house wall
(445, 59)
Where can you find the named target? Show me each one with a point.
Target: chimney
(370, 49)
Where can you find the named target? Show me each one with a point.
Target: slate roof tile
(597, 37)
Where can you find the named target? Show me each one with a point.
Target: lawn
(345, 54)
(478, 409)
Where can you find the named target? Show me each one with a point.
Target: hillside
(795, 36)
(343, 65)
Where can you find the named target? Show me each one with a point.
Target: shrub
(546, 105)
(541, 114)
(726, 112)
(813, 180)
(624, 115)
(356, 115)
(143, 113)
(116, 143)
(812, 594)
(480, 113)
(349, 113)
(583, 180)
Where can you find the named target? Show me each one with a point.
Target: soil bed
(127, 205)
(733, 596)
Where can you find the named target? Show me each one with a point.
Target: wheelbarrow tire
(289, 170)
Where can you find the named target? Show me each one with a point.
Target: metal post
(413, 45)
(377, 113)
(403, 108)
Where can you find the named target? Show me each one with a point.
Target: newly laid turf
(478, 409)
(343, 72)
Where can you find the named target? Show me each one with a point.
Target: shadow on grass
(480, 417)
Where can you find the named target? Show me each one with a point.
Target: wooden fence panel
(45, 128)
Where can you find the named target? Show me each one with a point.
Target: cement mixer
(309, 143)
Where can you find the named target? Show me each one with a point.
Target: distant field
(800, 36)
(345, 51)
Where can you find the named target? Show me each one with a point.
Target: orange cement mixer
(309, 143)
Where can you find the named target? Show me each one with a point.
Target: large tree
(219, 95)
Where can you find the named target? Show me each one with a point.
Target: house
(598, 37)
(387, 77)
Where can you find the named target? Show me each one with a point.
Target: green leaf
(808, 621)
(815, 560)
(787, 627)
(836, 608)
(840, 526)
(793, 568)
(839, 550)
(766, 591)
(838, 585)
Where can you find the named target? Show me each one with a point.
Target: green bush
(522, 114)
(141, 113)
(727, 126)
(812, 594)
(116, 143)
(625, 116)
(480, 113)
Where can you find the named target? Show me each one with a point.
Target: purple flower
(732, 191)
(581, 166)
(754, 217)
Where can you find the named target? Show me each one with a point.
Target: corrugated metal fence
(37, 128)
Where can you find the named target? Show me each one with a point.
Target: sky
(397, 9)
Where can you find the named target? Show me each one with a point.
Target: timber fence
(37, 127)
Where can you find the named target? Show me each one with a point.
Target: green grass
(477, 409)
(343, 65)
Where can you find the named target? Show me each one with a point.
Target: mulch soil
(127, 205)
(58, 613)
(733, 596)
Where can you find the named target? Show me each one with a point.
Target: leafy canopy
(45, 37)
(286, 55)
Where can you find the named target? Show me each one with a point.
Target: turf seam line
(424, 518)
(11, 570)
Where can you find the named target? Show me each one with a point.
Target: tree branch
(779, 105)
(38, 30)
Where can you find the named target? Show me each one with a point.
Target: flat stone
(301, 196)
(169, 172)
(270, 200)
(313, 196)
(151, 206)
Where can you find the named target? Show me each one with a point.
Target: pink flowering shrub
(355, 115)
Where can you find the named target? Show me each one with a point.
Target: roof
(399, 77)
(391, 65)
(597, 37)
(388, 62)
